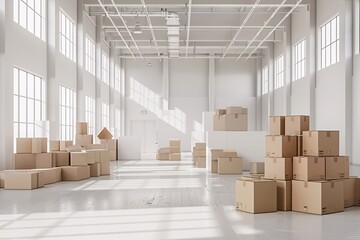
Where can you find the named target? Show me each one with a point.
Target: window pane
(23, 83)
(16, 108)
(30, 20)
(22, 132)
(30, 86)
(16, 11)
(16, 81)
(23, 14)
(38, 26)
(22, 109)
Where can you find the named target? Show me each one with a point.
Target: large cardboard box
(299, 145)
(81, 128)
(95, 169)
(174, 143)
(257, 168)
(219, 123)
(220, 112)
(321, 143)
(256, 195)
(295, 125)
(43, 160)
(29, 145)
(175, 156)
(105, 134)
(283, 195)
(236, 110)
(2, 179)
(357, 192)
(236, 122)
(95, 146)
(230, 165)
(24, 161)
(79, 159)
(163, 150)
(199, 153)
(83, 140)
(281, 146)
(276, 125)
(111, 144)
(309, 168)
(23, 179)
(214, 166)
(104, 158)
(75, 173)
(216, 153)
(162, 156)
(279, 168)
(336, 167)
(200, 146)
(54, 146)
(349, 191)
(51, 175)
(175, 150)
(61, 159)
(65, 144)
(201, 162)
(318, 197)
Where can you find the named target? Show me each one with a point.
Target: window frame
(328, 45)
(299, 60)
(90, 59)
(105, 68)
(67, 105)
(105, 115)
(90, 111)
(279, 72)
(67, 39)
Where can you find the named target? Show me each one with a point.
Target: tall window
(30, 14)
(67, 36)
(67, 99)
(279, 72)
(29, 103)
(117, 78)
(89, 55)
(105, 115)
(265, 80)
(105, 68)
(90, 114)
(330, 43)
(299, 60)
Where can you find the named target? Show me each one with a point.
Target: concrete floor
(149, 199)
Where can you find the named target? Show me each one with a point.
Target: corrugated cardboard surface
(83, 140)
(23, 179)
(236, 110)
(276, 125)
(43, 160)
(95, 146)
(336, 167)
(2, 178)
(321, 143)
(105, 134)
(257, 168)
(162, 156)
(200, 146)
(279, 168)
(163, 150)
(175, 156)
(281, 146)
(299, 145)
(236, 122)
(51, 175)
(357, 192)
(61, 159)
(309, 168)
(201, 162)
(79, 159)
(283, 195)
(220, 112)
(81, 128)
(349, 191)
(216, 153)
(214, 166)
(54, 146)
(95, 169)
(29, 145)
(230, 165)
(175, 150)
(75, 173)
(92, 156)
(295, 125)
(65, 144)
(111, 144)
(174, 143)
(24, 161)
(199, 153)
(104, 158)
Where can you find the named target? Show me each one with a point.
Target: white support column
(80, 113)
(123, 97)
(166, 85)
(112, 57)
(212, 88)
(313, 66)
(2, 85)
(98, 56)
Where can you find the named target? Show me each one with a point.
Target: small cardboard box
(162, 156)
(24, 161)
(214, 166)
(309, 168)
(349, 191)
(336, 167)
(295, 125)
(175, 150)
(281, 146)
(79, 159)
(236, 110)
(104, 158)
(23, 179)
(29, 145)
(256, 195)
(175, 156)
(200, 146)
(174, 143)
(81, 128)
(75, 173)
(2, 178)
(83, 140)
(279, 168)
(61, 159)
(230, 165)
(201, 162)
(276, 125)
(199, 153)
(105, 134)
(318, 197)
(163, 150)
(95, 169)
(54, 146)
(51, 175)
(219, 112)
(65, 144)
(111, 144)
(216, 153)
(283, 195)
(43, 160)
(257, 168)
(321, 143)
(236, 122)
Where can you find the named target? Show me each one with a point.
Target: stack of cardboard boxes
(82, 138)
(226, 162)
(231, 119)
(106, 139)
(172, 153)
(199, 155)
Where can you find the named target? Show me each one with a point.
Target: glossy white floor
(149, 199)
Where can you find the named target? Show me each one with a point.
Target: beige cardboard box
(74, 148)
(51, 175)
(281, 146)
(228, 165)
(163, 150)
(229, 154)
(309, 168)
(299, 145)
(2, 178)
(336, 167)
(105, 134)
(214, 166)
(321, 143)
(29, 145)
(81, 128)
(93, 156)
(279, 168)
(104, 158)
(162, 156)
(54, 146)
(220, 112)
(44, 145)
(65, 144)
(95, 169)
(83, 140)
(256, 195)
(276, 125)
(236, 110)
(75, 173)
(219, 123)
(175, 156)
(236, 122)
(175, 150)
(43, 160)
(23, 179)
(113, 155)
(357, 192)
(257, 168)
(318, 197)
(283, 195)
(200, 146)
(61, 159)
(201, 162)
(349, 191)
(295, 125)
(79, 159)
(199, 153)
(174, 143)
(111, 144)
(216, 153)
(95, 146)
(24, 161)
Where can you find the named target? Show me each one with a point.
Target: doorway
(145, 130)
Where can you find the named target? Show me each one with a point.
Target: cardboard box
(61, 159)
(81, 128)
(43, 160)
(309, 168)
(357, 192)
(94, 146)
(92, 157)
(83, 140)
(219, 123)
(104, 158)
(110, 144)
(256, 195)
(75, 173)
(257, 168)
(2, 179)
(236, 122)
(229, 165)
(51, 175)
(228, 154)
(44, 145)
(336, 167)
(281, 146)
(65, 144)
(79, 159)
(199, 153)
(162, 156)
(321, 143)
(200, 146)
(318, 197)
(201, 162)
(105, 134)
(54, 146)
(283, 195)
(216, 153)
(175, 156)
(24, 161)
(219, 112)
(236, 110)
(279, 168)
(214, 166)
(175, 150)
(163, 150)
(95, 169)
(276, 125)
(174, 143)
(299, 145)
(28, 145)
(74, 148)
(113, 155)
(349, 191)
(295, 125)
(23, 179)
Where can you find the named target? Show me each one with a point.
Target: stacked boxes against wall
(199, 155)
(226, 162)
(173, 152)
(231, 119)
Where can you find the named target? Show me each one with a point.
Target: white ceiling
(208, 28)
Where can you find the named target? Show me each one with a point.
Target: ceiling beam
(183, 28)
(188, 27)
(216, 5)
(150, 25)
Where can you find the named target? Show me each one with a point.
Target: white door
(145, 130)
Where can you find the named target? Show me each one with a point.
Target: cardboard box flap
(74, 148)
(105, 134)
